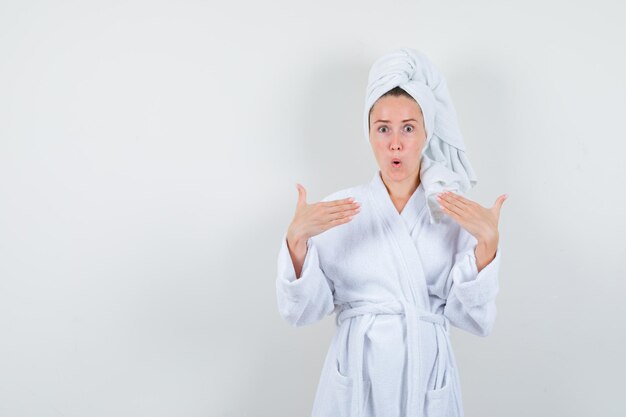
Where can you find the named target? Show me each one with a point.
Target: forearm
(297, 251)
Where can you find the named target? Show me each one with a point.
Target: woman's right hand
(313, 219)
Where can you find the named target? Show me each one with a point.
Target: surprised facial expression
(397, 136)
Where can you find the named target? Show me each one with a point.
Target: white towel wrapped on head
(444, 164)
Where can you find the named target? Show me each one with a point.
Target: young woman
(398, 259)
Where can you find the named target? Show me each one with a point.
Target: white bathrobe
(396, 282)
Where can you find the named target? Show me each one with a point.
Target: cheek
(380, 147)
(414, 148)
(416, 154)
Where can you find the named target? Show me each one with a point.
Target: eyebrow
(387, 121)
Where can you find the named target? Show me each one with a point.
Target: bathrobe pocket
(338, 394)
(437, 402)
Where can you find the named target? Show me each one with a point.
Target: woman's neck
(401, 192)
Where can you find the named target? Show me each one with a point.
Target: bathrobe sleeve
(471, 302)
(309, 298)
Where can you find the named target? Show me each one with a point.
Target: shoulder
(330, 238)
(356, 191)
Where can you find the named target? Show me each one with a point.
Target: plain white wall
(149, 152)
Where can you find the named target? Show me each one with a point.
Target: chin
(399, 174)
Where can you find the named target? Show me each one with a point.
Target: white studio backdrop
(149, 152)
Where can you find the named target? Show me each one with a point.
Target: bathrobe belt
(414, 406)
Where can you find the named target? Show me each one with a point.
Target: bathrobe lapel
(401, 227)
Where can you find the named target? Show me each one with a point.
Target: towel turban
(444, 165)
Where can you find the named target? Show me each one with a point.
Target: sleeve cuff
(472, 287)
(296, 287)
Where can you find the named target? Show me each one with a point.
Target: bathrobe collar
(412, 209)
(401, 226)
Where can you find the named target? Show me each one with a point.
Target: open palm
(481, 222)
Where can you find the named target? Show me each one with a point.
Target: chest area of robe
(382, 254)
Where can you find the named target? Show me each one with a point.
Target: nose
(395, 143)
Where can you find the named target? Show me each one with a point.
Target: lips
(396, 162)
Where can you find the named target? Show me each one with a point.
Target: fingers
(452, 203)
(452, 210)
(457, 199)
(341, 214)
(338, 206)
(338, 209)
(333, 203)
(301, 195)
(343, 217)
(343, 210)
(501, 199)
(451, 213)
(498, 204)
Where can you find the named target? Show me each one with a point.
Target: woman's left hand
(481, 222)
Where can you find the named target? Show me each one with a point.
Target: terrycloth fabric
(396, 283)
(444, 164)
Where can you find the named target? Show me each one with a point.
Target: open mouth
(396, 162)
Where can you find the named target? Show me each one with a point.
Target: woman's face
(397, 133)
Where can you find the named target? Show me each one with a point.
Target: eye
(411, 128)
(382, 127)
